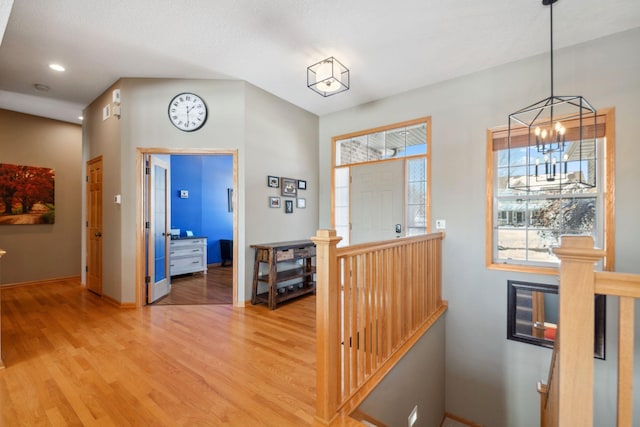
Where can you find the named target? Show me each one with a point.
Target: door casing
(140, 207)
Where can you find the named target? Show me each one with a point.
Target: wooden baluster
(327, 326)
(625, 361)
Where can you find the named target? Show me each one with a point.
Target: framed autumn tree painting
(26, 195)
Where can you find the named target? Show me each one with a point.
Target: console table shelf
(274, 256)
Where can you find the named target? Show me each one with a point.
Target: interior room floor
(215, 287)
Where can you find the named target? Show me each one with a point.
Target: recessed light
(80, 118)
(41, 87)
(56, 67)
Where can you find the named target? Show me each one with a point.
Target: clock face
(187, 112)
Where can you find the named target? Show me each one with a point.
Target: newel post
(327, 326)
(576, 329)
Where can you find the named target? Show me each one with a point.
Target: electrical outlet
(441, 224)
(413, 417)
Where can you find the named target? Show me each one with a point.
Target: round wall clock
(187, 112)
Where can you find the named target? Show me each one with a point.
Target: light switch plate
(184, 194)
(441, 224)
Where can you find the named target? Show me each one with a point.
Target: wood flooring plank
(73, 359)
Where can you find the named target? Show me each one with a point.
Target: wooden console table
(300, 280)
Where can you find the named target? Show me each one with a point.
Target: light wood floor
(73, 359)
(215, 287)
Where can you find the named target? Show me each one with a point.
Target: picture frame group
(289, 187)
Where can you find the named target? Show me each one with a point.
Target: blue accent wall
(205, 212)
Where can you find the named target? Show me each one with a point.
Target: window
(523, 227)
(406, 142)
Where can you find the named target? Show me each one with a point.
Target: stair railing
(373, 302)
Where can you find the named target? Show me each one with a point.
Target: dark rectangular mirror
(532, 315)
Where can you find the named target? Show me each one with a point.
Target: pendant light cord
(551, 50)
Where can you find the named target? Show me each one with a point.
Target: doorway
(94, 225)
(184, 193)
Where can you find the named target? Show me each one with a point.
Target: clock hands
(188, 110)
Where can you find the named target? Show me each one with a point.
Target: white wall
(488, 379)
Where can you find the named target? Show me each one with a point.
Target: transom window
(523, 227)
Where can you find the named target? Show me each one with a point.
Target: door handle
(98, 234)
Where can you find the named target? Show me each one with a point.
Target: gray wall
(417, 380)
(102, 138)
(488, 379)
(43, 251)
(272, 137)
(282, 141)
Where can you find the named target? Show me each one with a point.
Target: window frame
(607, 165)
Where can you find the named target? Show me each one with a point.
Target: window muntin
(525, 226)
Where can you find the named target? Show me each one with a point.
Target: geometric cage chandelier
(552, 143)
(328, 77)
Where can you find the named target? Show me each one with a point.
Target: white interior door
(377, 201)
(158, 215)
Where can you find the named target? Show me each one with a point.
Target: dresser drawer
(185, 243)
(189, 263)
(186, 251)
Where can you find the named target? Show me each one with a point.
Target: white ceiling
(390, 47)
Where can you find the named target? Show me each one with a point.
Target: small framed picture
(288, 187)
(273, 181)
(288, 206)
(302, 184)
(301, 203)
(274, 202)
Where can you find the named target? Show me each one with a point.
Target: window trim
(605, 115)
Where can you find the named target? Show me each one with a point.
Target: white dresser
(188, 255)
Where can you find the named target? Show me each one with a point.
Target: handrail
(371, 300)
(573, 402)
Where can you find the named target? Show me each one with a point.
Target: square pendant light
(328, 77)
